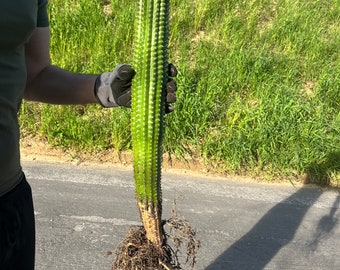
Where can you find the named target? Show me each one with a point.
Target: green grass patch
(258, 83)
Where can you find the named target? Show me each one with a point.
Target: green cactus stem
(147, 122)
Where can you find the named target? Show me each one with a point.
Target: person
(26, 72)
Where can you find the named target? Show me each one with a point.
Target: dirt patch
(41, 150)
(33, 148)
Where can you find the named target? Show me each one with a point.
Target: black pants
(17, 229)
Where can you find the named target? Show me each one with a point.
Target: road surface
(83, 212)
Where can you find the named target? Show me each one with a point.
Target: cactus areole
(148, 106)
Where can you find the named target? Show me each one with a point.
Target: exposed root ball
(137, 253)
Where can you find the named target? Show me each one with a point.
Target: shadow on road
(278, 227)
(275, 230)
(327, 223)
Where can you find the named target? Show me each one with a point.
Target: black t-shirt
(18, 20)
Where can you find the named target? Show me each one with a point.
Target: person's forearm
(57, 86)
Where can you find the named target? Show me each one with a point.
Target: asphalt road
(83, 212)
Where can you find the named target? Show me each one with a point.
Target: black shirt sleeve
(42, 17)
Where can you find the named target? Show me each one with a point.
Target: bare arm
(50, 84)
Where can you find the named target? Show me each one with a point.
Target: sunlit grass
(258, 84)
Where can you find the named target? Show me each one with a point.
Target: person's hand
(113, 89)
(171, 89)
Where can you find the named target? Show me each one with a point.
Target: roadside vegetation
(258, 84)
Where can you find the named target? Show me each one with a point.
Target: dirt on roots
(136, 252)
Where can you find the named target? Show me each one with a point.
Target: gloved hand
(113, 89)
(171, 89)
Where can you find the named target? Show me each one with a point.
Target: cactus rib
(147, 126)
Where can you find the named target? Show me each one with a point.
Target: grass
(258, 83)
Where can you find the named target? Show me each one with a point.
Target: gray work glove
(113, 89)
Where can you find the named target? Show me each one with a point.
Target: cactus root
(136, 252)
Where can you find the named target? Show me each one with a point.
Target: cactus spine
(147, 126)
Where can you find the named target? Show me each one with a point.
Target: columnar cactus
(148, 106)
